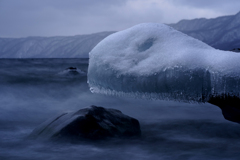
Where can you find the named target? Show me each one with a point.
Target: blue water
(32, 90)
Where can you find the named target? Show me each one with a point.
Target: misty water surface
(32, 90)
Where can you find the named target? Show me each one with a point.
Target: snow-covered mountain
(221, 33)
(50, 47)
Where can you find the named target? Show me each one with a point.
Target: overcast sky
(22, 18)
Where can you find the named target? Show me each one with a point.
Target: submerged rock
(88, 123)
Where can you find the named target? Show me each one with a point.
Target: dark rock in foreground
(88, 123)
(230, 106)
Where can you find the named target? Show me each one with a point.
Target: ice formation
(155, 61)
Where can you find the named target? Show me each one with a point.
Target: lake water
(33, 90)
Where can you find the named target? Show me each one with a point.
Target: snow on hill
(221, 33)
(50, 47)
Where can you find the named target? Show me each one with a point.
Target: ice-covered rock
(155, 61)
(88, 123)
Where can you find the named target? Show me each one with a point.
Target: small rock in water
(71, 71)
(88, 123)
